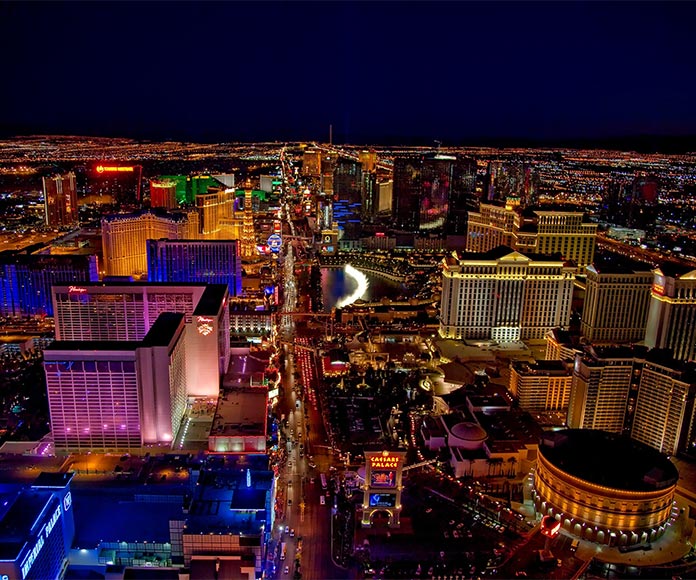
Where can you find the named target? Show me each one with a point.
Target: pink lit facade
(117, 396)
(105, 311)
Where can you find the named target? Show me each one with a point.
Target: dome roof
(469, 432)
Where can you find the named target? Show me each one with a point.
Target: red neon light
(114, 169)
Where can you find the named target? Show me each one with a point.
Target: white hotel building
(503, 295)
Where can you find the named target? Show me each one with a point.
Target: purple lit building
(126, 312)
(118, 395)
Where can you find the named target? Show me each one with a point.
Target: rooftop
(675, 270)
(542, 367)
(612, 263)
(241, 412)
(93, 345)
(500, 252)
(212, 300)
(164, 329)
(608, 460)
(53, 479)
(18, 522)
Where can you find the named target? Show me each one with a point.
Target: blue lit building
(347, 204)
(26, 279)
(207, 261)
(241, 530)
(37, 529)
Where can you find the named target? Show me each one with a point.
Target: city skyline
(499, 73)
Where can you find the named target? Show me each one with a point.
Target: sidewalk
(669, 548)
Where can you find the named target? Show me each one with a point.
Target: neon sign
(205, 326)
(658, 289)
(76, 290)
(385, 462)
(114, 169)
(67, 501)
(40, 542)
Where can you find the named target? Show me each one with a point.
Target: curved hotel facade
(604, 488)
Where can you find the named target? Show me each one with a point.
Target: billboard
(274, 242)
(382, 500)
(383, 478)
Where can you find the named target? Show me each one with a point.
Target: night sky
(379, 72)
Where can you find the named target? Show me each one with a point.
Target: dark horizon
(389, 72)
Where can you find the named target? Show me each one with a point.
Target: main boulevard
(303, 522)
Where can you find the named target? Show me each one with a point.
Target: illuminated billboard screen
(382, 500)
(383, 478)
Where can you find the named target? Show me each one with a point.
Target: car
(292, 532)
(287, 529)
(286, 570)
(289, 502)
(322, 500)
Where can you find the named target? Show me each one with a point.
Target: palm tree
(512, 470)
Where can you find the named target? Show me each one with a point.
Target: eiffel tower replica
(248, 249)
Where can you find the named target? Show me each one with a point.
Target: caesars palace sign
(384, 462)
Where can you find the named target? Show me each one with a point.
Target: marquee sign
(382, 489)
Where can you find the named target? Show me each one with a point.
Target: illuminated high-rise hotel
(347, 198)
(491, 226)
(542, 230)
(112, 182)
(433, 193)
(632, 391)
(163, 193)
(116, 312)
(124, 237)
(215, 210)
(602, 381)
(542, 385)
(208, 261)
(118, 396)
(616, 300)
(311, 162)
(672, 315)
(665, 415)
(504, 295)
(60, 200)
